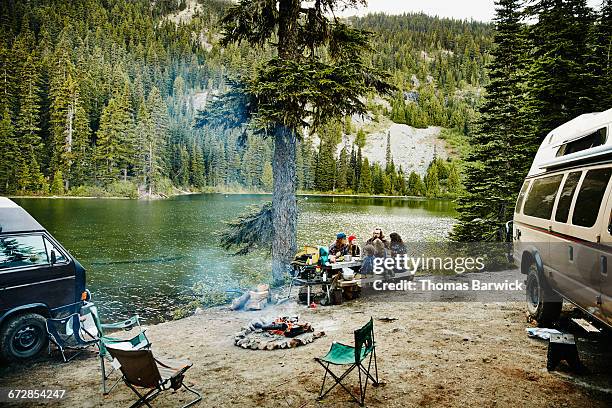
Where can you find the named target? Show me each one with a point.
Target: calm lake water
(145, 256)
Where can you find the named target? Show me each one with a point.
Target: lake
(146, 256)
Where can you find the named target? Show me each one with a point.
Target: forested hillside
(100, 97)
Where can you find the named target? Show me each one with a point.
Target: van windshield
(19, 251)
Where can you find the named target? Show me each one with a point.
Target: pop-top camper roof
(583, 139)
(13, 218)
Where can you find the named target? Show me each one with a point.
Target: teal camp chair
(342, 355)
(94, 328)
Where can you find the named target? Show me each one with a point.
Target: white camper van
(562, 228)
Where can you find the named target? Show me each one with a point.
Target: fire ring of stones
(258, 336)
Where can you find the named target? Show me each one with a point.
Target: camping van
(562, 227)
(38, 279)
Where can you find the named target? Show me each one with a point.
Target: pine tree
(8, 152)
(57, 186)
(388, 156)
(28, 118)
(197, 167)
(341, 175)
(360, 139)
(365, 177)
(126, 148)
(266, 177)
(115, 127)
(601, 58)
(69, 128)
(358, 167)
(559, 82)
(503, 145)
(454, 181)
(318, 72)
(161, 121)
(432, 182)
(148, 153)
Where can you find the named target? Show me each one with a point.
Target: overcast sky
(482, 10)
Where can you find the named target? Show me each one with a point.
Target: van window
(565, 200)
(541, 198)
(595, 139)
(59, 257)
(21, 251)
(521, 197)
(589, 198)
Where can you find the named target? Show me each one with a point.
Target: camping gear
(541, 332)
(562, 346)
(348, 273)
(68, 334)
(353, 356)
(141, 369)
(95, 328)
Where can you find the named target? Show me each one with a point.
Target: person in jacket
(340, 246)
(377, 233)
(353, 249)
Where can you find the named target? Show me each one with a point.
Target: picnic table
(331, 269)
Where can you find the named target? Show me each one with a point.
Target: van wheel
(23, 337)
(544, 304)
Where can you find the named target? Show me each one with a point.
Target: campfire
(280, 333)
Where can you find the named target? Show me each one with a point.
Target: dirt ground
(448, 354)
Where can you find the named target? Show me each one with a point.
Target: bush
(123, 189)
(88, 191)
(164, 186)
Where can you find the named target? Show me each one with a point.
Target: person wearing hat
(353, 247)
(340, 246)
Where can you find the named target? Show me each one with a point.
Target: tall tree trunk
(284, 202)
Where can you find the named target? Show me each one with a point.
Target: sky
(481, 10)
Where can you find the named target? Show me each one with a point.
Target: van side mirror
(509, 230)
(610, 228)
(53, 257)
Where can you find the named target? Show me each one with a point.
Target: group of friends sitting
(376, 247)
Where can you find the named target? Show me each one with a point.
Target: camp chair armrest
(119, 339)
(125, 325)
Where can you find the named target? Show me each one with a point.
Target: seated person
(367, 265)
(380, 249)
(340, 246)
(397, 246)
(353, 247)
(378, 234)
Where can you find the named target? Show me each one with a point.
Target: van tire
(543, 304)
(23, 337)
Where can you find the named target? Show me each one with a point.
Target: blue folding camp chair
(67, 334)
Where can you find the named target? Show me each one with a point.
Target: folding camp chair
(94, 328)
(67, 334)
(341, 354)
(141, 369)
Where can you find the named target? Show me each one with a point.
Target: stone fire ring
(259, 339)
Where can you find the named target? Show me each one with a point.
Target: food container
(348, 274)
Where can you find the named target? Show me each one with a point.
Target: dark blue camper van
(38, 279)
